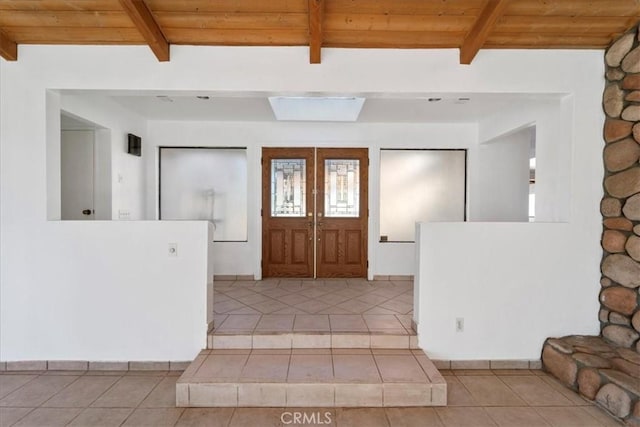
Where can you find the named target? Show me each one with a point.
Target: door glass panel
(288, 184)
(342, 188)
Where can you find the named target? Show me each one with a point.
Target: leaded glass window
(288, 183)
(342, 188)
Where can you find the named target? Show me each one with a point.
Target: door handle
(86, 212)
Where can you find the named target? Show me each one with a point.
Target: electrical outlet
(459, 324)
(173, 249)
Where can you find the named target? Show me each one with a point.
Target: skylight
(316, 109)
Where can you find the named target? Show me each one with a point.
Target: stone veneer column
(620, 207)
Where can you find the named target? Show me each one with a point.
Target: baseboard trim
(395, 278)
(85, 365)
(233, 277)
(82, 365)
(251, 277)
(487, 364)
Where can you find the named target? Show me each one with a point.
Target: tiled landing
(311, 378)
(292, 313)
(326, 297)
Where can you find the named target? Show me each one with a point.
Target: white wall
(105, 290)
(501, 192)
(27, 140)
(515, 284)
(556, 143)
(244, 258)
(127, 171)
(103, 175)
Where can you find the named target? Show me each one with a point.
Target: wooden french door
(314, 212)
(342, 212)
(287, 212)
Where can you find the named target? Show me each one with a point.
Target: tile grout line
(286, 387)
(244, 365)
(101, 394)
(375, 361)
(386, 415)
(13, 391)
(422, 367)
(466, 389)
(495, 422)
(179, 416)
(63, 388)
(188, 393)
(544, 383)
(24, 416)
(513, 390)
(151, 391)
(233, 413)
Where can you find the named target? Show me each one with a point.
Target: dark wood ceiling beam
(316, 14)
(146, 24)
(8, 48)
(478, 35)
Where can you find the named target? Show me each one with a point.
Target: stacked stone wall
(620, 207)
(606, 369)
(599, 370)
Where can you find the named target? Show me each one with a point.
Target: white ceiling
(405, 108)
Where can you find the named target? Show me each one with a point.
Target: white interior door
(77, 158)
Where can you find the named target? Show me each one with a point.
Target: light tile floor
(519, 398)
(340, 377)
(292, 305)
(319, 365)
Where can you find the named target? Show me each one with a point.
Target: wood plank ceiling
(465, 24)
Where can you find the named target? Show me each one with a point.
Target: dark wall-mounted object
(135, 145)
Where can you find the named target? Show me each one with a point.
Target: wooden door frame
(313, 201)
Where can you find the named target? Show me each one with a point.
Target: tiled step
(311, 340)
(344, 377)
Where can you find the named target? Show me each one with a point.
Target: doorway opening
(314, 212)
(85, 170)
